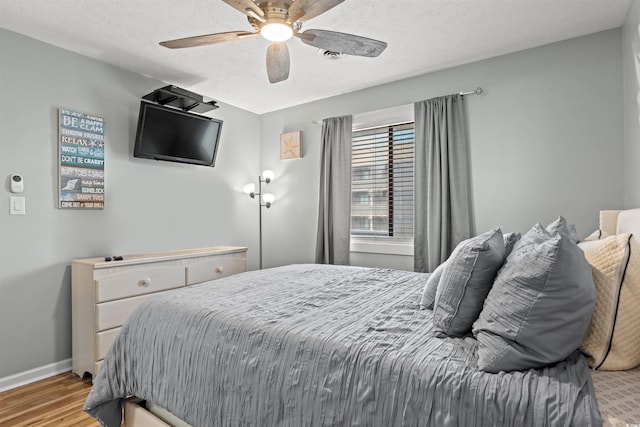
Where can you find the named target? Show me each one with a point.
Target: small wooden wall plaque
(291, 145)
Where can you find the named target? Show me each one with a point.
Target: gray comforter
(312, 345)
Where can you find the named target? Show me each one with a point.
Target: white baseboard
(33, 375)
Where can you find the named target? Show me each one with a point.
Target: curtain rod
(477, 91)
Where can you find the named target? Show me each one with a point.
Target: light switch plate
(17, 206)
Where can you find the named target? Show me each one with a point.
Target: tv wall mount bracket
(182, 99)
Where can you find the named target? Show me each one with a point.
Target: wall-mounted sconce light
(267, 199)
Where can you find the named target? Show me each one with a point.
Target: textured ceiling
(422, 36)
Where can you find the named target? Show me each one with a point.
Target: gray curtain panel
(442, 202)
(334, 215)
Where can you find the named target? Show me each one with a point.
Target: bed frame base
(136, 415)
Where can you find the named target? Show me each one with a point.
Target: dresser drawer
(104, 341)
(128, 283)
(104, 294)
(216, 268)
(113, 314)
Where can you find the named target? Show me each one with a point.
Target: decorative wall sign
(291, 145)
(81, 160)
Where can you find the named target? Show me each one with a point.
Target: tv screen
(166, 133)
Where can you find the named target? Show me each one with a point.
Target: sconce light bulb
(268, 198)
(268, 175)
(249, 188)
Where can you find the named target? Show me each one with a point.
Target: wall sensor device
(17, 183)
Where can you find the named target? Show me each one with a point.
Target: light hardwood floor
(55, 401)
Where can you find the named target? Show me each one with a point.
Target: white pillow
(613, 340)
(596, 235)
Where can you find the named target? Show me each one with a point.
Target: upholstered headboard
(617, 222)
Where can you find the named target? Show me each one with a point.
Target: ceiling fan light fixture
(276, 32)
(278, 21)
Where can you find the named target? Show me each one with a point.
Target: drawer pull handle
(144, 282)
(219, 269)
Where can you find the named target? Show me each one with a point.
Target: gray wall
(546, 139)
(630, 46)
(150, 206)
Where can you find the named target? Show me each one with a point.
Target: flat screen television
(166, 133)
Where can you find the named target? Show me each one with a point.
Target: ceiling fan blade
(247, 7)
(343, 43)
(278, 62)
(302, 10)
(207, 39)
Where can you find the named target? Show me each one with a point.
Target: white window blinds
(382, 183)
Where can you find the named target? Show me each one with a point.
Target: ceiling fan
(278, 21)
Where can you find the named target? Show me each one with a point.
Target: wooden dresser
(105, 293)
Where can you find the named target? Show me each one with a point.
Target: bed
(307, 345)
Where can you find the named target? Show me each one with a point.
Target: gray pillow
(430, 288)
(539, 308)
(465, 283)
(561, 225)
(429, 291)
(510, 240)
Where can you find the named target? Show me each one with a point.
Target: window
(382, 184)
